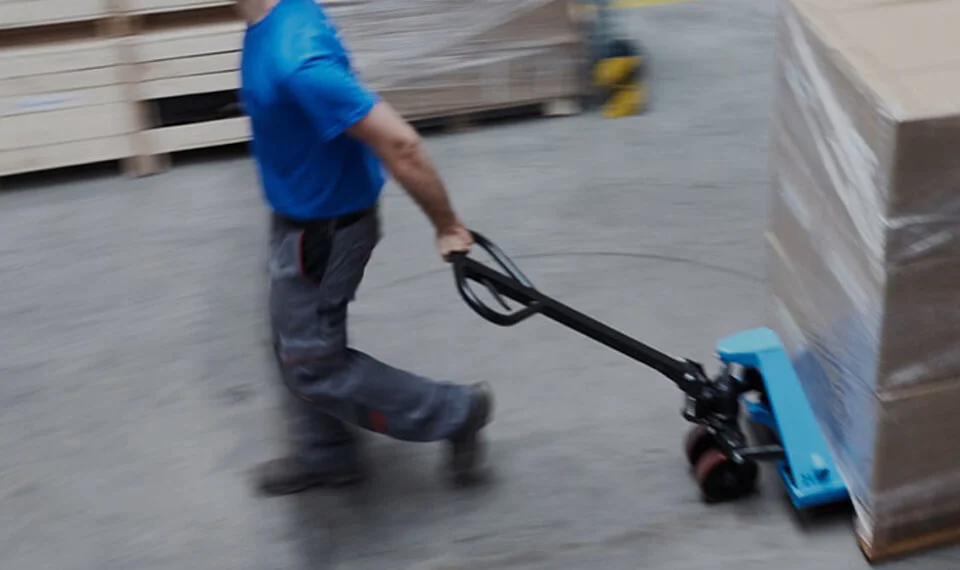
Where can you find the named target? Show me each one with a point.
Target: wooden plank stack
(85, 81)
(16, 14)
(185, 77)
(62, 92)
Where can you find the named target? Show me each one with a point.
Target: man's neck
(255, 10)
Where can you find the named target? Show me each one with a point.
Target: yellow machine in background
(619, 76)
(616, 63)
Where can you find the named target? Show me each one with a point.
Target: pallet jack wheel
(699, 441)
(722, 479)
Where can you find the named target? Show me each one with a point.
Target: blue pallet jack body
(808, 470)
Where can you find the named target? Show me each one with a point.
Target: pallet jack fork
(756, 380)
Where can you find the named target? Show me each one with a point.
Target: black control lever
(517, 284)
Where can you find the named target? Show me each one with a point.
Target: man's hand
(454, 240)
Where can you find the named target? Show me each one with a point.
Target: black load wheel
(722, 479)
(699, 441)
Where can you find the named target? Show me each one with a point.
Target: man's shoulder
(300, 36)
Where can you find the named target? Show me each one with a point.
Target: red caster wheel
(699, 441)
(721, 479)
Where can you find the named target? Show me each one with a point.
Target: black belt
(337, 223)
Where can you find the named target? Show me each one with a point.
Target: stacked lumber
(155, 77)
(184, 78)
(62, 96)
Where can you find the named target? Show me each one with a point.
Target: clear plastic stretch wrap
(864, 247)
(433, 57)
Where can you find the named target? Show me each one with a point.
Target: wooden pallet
(911, 539)
(182, 63)
(63, 100)
(141, 7)
(468, 119)
(887, 552)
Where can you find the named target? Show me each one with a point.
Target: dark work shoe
(288, 475)
(466, 446)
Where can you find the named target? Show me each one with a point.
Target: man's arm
(401, 149)
(336, 102)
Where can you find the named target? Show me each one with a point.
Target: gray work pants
(314, 274)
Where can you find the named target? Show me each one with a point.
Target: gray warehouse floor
(137, 387)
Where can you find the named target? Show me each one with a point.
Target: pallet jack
(756, 382)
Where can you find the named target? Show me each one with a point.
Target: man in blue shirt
(321, 141)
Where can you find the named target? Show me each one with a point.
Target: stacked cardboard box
(865, 250)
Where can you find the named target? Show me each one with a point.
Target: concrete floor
(137, 388)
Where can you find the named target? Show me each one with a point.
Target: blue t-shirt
(301, 94)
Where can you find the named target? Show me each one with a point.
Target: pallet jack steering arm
(514, 285)
(711, 402)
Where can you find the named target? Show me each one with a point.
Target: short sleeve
(332, 97)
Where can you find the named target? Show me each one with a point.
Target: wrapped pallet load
(864, 251)
(438, 58)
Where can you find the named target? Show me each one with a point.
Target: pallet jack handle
(467, 269)
(511, 283)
